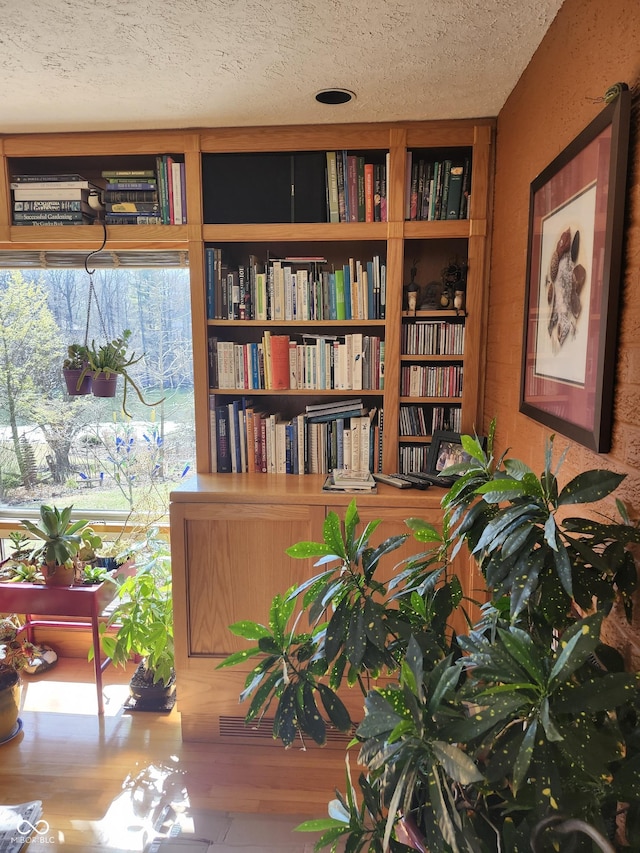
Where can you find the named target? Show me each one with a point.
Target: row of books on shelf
(426, 337)
(246, 440)
(425, 420)
(124, 197)
(418, 380)
(147, 196)
(413, 457)
(316, 362)
(437, 190)
(356, 190)
(294, 288)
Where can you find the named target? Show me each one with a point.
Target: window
(85, 450)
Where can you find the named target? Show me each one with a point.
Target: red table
(71, 601)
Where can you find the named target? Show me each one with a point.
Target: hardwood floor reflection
(114, 783)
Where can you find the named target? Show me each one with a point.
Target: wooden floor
(114, 783)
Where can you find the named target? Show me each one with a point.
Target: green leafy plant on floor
(143, 613)
(522, 727)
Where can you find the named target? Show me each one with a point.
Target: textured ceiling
(120, 64)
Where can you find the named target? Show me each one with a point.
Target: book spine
(332, 186)
(213, 433)
(61, 216)
(210, 279)
(79, 189)
(368, 192)
(132, 219)
(128, 173)
(455, 191)
(352, 187)
(132, 207)
(60, 205)
(342, 203)
(279, 362)
(222, 438)
(183, 192)
(136, 196)
(46, 179)
(177, 193)
(361, 190)
(54, 185)
(131, 186)
(162, 189)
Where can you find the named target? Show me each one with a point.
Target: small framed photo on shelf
(576, 225)
(445, 450)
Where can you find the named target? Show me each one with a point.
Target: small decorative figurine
(412, 290)
(453, 286)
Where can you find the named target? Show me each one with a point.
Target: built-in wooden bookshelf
(229, 531)
(264, 225)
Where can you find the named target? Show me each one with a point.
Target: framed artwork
(574, 260)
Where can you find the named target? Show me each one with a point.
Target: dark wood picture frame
(574, 265)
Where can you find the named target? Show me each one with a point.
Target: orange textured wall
(588, 47)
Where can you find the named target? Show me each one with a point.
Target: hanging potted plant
(109, 361)
(77, 379)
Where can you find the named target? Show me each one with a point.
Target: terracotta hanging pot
(104, 384)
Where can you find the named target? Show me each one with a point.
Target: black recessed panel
(262, 188)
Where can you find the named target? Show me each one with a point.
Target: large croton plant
(522, 733)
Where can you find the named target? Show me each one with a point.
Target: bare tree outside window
(84, 450)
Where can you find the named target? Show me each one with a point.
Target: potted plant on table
(521, 731)
(61, 540)
(110, 360)
(143, 617)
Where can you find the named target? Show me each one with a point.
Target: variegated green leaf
(456, 763)
(335, 708)
(356, 638)
(525, 753)
(305, 550)
(550, 729)
(249, 630)
(575, 648)
(590, 486)
(332, 533)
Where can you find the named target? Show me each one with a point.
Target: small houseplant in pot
(143, 617)
(77, 379)
(61, 540)
(15, 654)
(110, 360)
(523, 728)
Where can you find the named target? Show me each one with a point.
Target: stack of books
(345, 480)
(52, 200)
(131, 197)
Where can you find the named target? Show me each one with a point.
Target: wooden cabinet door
(235, 562)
